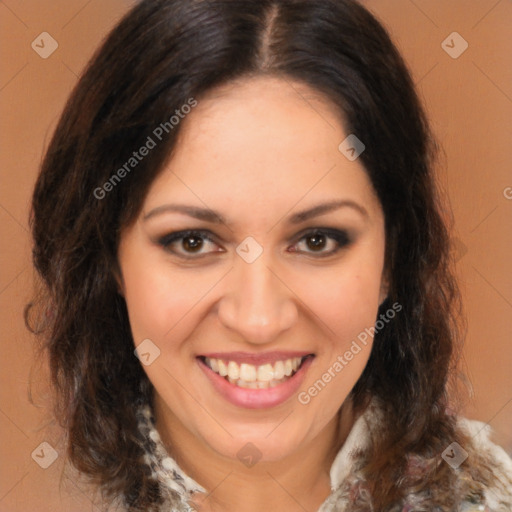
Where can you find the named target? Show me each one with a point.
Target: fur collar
(347, 485)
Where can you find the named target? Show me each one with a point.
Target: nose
(257, 303)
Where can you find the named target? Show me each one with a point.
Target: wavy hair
(161, 54)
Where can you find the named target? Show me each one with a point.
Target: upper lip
(256, 358)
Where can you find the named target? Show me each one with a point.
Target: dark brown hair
(161, 54)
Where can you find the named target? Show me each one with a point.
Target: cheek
(346, 308)
(158, 303)
(346, 300)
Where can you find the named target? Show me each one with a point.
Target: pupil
(192, 243)
(316, 242)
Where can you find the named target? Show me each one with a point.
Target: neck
(298, 482)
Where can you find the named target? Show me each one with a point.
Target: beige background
(469, 100)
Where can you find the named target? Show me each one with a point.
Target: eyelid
(340, 236)
(321, 229)
(176, 236)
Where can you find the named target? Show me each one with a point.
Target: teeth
(247, 372)
(255, 377)
(278, 370)
(244, 384)
(223, 369)
(266, 372)
(214, 365)
(233, 370)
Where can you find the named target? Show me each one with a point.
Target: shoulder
(480, 472)
(484, 463)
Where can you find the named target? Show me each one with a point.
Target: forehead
(263, 118)
(260, 143)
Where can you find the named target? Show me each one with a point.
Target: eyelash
(341, 238)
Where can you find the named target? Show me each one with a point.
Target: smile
(251, 376)
(256, 381)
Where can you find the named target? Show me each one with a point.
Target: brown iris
(192, 243)
(316, 241)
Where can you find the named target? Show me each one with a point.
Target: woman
(249, 304)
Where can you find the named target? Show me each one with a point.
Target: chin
(269, 442)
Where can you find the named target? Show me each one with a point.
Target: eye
(322, 242)
(189, 244)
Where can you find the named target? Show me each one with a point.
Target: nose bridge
(256, 303)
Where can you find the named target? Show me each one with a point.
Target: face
(258, 253)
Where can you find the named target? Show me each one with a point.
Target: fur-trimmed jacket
(347, 485)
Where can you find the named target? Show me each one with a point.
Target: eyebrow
(207, 215)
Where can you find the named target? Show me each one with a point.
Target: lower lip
(257, 398)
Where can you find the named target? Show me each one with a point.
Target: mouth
(247, 375)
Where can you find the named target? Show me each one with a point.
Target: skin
(256, 151)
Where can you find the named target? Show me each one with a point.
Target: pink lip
(253, 358)
(256, 398)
